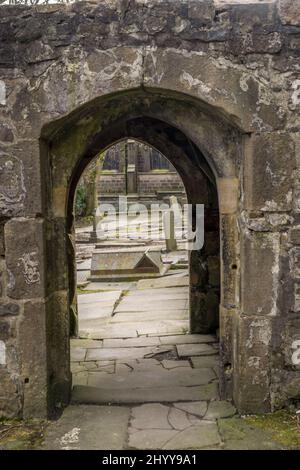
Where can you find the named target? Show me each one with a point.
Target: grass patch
(21, 435)
(281, 425)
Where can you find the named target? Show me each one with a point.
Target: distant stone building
(141, 172)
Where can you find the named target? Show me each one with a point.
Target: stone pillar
(228, 192)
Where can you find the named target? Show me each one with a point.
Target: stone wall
(214, 86)
(148, 183)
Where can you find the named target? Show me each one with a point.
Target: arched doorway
(133, 307)
(204, 151)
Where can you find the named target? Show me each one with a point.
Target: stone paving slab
(118, 353)
(178, 419)
(158, 377)
(102, 331)
(172, 364)
(173, 293)
(187, 338)
(83, 394)
(145, 304)
(220, 409)
(197, 408)
(131, 342)
(150, 439)
(138, 365)
(106, 296)
(150, 315)
(89, 428)
(204, 361)
(94, 311)
(150, 416)
(162, 327)
(187, 350)
(194, 437)
(86, 343)
(168, 281)
(109, 286)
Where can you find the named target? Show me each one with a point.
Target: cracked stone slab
(151, 315)
(197, 408)
(88, 428)
(195, 437)
(150, 438)
(138, 365)
(96, 395)
(94, 311)
(102, 331)
(172, 292)
(141, 304)
(186, 339)
(108, 296)
(131, 342)
(86, 343)
(172, 364)
(168, 281)
(162, 327)
(187, 350)
(150, 416)
(199, 362)
(220, 409)
(178, 419)
(158, 377)
(118, 353)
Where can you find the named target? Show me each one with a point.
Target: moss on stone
(281, 425)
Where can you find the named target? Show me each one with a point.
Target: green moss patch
(281, 425)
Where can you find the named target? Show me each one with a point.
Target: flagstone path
(141, 382)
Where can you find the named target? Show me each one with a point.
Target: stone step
(96, 395)
(156, 376)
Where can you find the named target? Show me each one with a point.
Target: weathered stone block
(252, 365)
(295, 262)
(10, 396)
(5, 330)
(289, 12)
(2, 247)
(20, 180)
(230, 261)
(24, 240)
(296, 297)
(260, 273)
(32, 345)
(202, 11)
(228, 189)
(295, 236)
(269, 166)
(58, 350)
(9, 309)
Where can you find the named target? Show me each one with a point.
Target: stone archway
(224, 77)
(71, 144)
